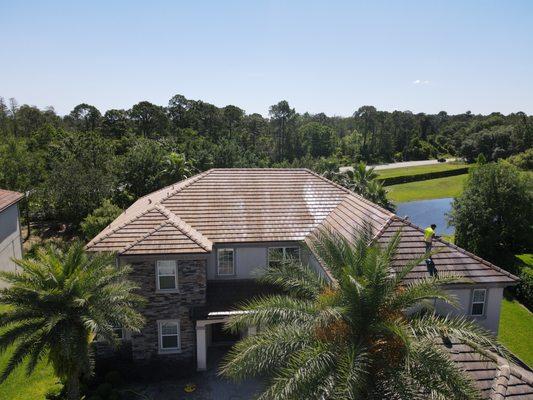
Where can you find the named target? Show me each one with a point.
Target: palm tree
(57, 303)
(353, 338)
(363, 181)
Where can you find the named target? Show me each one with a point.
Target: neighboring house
(195, 246)
(10, 239)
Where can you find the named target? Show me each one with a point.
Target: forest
(69, 165)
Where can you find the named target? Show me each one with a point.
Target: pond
(426, 212)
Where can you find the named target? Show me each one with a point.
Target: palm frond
(294, 278)
(261, 353)
(272, 310)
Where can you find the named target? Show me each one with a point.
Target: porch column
(201, 347)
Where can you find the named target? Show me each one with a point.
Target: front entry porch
(209, 333)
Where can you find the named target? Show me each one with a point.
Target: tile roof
(8, 198)
(495, 377)
(264, 205)
(449, 259)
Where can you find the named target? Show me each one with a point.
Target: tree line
(70, 164)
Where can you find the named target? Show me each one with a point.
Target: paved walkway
(208, 385)
(399, 164)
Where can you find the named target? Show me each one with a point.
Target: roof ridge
(384, 227)
(116, 228)
(461, 250)
(135, 216)
(350, 192)
(140, 239)
(500, 382)
(185, 228)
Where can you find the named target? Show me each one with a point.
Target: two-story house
(196, 245)
(10, 239)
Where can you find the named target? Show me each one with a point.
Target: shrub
(524, 290)
(523, 160)
(54, 393)
(395, 180)
(99, 219)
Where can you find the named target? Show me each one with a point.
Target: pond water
(427, 212)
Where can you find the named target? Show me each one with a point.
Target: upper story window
(479, 297)
(276, 255)
(169, 335)
(167, 277)
(225, 262)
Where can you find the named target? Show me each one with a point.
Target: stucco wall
(10, 240)
(249, 259)
(491, 318)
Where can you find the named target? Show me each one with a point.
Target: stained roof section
(270, 205)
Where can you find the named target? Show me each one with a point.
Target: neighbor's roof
(263, 205)
(8, 198)
(496, 377)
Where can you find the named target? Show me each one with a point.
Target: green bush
(93, 224)
(395, 180)
(524, 290)
(523, 160)
(54, 393)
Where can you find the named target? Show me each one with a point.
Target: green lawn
(450, 186)
(516, 330)
(21, 387)
(421, 169)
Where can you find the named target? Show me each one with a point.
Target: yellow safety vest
(428, 234)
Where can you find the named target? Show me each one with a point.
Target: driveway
(208, 385)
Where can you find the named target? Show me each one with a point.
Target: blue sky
(330, 56)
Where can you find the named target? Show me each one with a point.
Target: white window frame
(175, 266)
(160, 335)
(484, 302)
(284, 250)
(219, 251)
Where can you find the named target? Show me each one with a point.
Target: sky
(320, 56)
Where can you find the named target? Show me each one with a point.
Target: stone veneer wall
(175, 305)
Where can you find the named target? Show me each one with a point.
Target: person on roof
(429, 235)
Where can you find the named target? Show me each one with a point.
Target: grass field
(516, 330)
(421, 169)
(450, 186)
(21, 387)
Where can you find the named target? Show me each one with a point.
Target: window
(226, 262)
(478, 301)
(277, 255)
(169, 335)
(166, 275)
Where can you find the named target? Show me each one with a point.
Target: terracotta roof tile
(497, 378)
(265, 205)
(448, 258)
(8, 198)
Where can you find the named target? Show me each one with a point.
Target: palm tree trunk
(73, 386)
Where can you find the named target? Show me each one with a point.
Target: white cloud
(420, 82)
